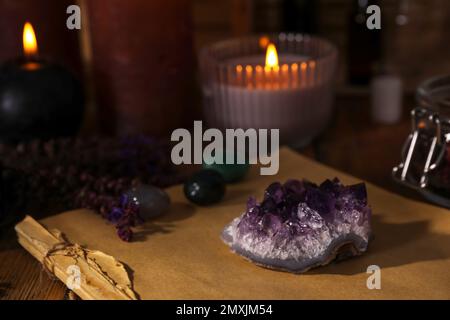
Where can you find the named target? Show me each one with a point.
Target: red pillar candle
(56, 42)
(143, 64)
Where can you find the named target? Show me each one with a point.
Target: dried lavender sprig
(88, 173)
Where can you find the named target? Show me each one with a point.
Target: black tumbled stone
(205, 187)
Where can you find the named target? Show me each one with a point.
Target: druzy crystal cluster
(300, 225)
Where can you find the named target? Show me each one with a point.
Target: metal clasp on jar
(425, 123)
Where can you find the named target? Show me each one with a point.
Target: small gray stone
(153, 201)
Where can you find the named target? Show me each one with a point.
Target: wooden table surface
(352, 144)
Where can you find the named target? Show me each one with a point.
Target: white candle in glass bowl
(285, 93)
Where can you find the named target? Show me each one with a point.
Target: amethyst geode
(300, 225)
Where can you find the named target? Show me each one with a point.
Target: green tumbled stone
(230, 172)
(205, 187)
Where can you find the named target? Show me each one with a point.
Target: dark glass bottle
(364, 45)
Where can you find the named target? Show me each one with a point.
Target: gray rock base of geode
(341, 248)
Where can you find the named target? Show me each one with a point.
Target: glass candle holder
(241, 89)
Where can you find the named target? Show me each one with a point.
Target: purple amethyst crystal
(300, 225)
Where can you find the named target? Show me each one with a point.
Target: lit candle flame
(271, 56)
(30, 47)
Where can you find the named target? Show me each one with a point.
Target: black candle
(38, 99)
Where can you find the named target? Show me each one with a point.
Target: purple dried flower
(87, 173)
(124, 201)
(125, 214)
(115, 214)
(125, 233)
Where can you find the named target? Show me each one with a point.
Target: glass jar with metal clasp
(425, 164)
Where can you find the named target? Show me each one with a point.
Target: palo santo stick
(100, 277)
